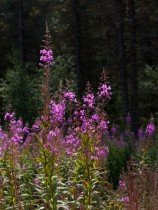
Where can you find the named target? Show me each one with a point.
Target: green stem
(88, 177)
(48, 172)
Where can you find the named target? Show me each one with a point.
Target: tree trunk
(21, 32)
(133, 68)
(77, 34)
(122, 58)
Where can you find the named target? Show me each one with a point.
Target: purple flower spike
(104, 92)
(150, 129)
(70, 96)
(89, 100)
(57, 111)
(46, 57)
(9, 116)
(25, 130)
(95, 118)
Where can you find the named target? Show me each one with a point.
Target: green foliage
(117, 159)
(20, 88)
(62, 70)
(148, 90)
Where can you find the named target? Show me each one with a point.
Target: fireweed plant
(61, 162)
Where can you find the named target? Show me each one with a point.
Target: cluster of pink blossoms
(150, 129)
(46, 57)
(71, 96)
(89, 100)
(16, 134)
(122, 184)
(57, 111)
(72, 143)
(148, 132)
(16, 128)
(104, 91)
(101, 152)
(53, 134)
(125, 199)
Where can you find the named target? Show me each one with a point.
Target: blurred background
(120, 36)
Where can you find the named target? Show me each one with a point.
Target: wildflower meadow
(72, 157)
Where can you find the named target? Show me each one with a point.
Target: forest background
(120, 36)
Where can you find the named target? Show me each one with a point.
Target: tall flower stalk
(46, 62)
(49, 135)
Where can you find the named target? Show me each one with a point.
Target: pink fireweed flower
(81, 114)
(17, 131)
(17, 138)
(89, 100)
(9, 116)
(95, 118)
(122, 184)
(57, 111)
(3, 135)
(36, 126)
(104, 92)
(103, 125)
(86, 126)
(25, 130)
(54, 141)
(124, 199)
(46, 57)
(72, 143)
(53, 134)
(71, 96)
(150, 129)
(16, 125)
(101, 153)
